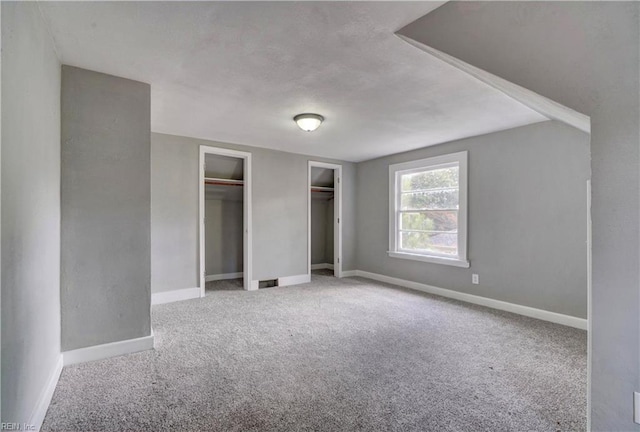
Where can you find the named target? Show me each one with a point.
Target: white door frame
(337, 215)
(247, 249)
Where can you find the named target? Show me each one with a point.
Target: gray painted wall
(279, 209)
(30, 209)
(527, 218)
(223, 236)
(319, 231)
(106, 199)
(0, 213)
(174, 232)
(584, 55)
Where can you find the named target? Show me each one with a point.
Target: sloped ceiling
(239, 71)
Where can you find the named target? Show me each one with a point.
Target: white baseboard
(349, 273)
(294, 280)
(579, 323)
(113, 349)
(322, 266)
(42, 405)
(223, 276)
(175, 295)
(254, 285)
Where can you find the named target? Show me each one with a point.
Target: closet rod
(321, 189)
(223, 182)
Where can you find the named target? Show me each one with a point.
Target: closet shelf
(223, 182)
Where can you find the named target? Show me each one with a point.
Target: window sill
(430, 259)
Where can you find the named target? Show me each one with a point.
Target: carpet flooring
(332, 355)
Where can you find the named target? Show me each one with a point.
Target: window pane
(435, 199)
(427, 199)
(422, 242)
(432, 179)
(429, 221)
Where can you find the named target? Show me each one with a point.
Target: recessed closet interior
(322, 218)
(223, 211)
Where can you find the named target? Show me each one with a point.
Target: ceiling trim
(536, 102)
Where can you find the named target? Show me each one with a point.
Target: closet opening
(225, 242)
(325, 208)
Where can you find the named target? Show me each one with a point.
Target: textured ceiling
(239, 71)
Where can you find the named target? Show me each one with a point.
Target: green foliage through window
(429, 203)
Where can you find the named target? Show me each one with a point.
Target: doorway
(324, 190)
(225, 216)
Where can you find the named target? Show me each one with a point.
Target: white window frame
(395, 171)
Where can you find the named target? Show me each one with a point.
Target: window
(428, 210)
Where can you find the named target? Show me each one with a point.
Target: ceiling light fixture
(308, 122)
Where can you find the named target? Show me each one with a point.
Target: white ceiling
(239, 71)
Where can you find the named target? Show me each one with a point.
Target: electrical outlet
(475, 279)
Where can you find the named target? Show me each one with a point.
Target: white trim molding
(223, 276)
(349, 273)
(322, 266)
(42, 405)
(536, 102)
(294, 280)
(579, 323)
(175, 295)
(113, 349)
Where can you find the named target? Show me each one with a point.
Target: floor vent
(270, 283)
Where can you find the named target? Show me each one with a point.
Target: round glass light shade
(308, 122)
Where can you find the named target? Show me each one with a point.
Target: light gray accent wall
(280, 214)
(279, 208)
(586, 56)
(318, 231)
(30, 209)
(527, 218)
(106, 199)
(174, 229)
(223, 236)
